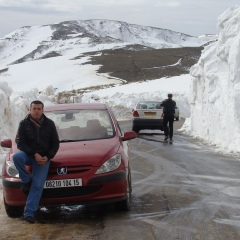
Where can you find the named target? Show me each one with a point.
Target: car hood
(93, 152)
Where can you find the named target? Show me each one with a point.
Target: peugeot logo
(62, 170)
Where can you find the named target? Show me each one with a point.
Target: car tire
(135, 129)
(13, 211)
(125, 205)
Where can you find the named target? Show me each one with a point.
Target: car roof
(73, 106)
(149, 101)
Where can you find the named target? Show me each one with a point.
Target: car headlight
(11, 169)
(110, 165)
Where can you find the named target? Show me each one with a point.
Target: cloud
(186, 16)
(168, 4)
(76, 5)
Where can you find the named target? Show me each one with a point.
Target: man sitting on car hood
(38, 142)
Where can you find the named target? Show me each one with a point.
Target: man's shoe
(25, 187)
(29, 219)
(170, 140)
(165, 139)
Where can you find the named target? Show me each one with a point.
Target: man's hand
(40, 160)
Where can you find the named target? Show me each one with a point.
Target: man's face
(36, 111)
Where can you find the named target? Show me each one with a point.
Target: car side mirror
(129, 135)
(7, 143)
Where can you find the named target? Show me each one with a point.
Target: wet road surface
(183, 190)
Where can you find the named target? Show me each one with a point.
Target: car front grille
(70, 191)
(70, 169)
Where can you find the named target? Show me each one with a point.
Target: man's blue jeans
(39, 176)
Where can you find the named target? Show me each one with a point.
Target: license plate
(63, 183)
(149, 113)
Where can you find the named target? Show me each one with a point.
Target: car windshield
(149, 105)
(80, 125)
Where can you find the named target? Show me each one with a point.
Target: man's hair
(169, 95)
(36, 102)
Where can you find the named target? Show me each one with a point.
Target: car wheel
(135, 129)
(13, 211)
(125, 205)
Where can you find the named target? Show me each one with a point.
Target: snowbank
(215, 89)
(14, 106)
(124, 98)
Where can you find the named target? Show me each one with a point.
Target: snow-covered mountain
(75, 37)
(212, 90)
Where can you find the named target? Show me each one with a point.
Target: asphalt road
(183, 190)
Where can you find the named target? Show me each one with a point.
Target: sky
(193, 17)
(208, 97)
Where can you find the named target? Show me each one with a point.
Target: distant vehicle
(147, 115)
(91, 166)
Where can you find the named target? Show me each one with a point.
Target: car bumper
(100, 189)
(148, 123)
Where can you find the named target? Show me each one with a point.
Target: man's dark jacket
(168, 106)
(31, 139)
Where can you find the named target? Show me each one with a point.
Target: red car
(91, 166)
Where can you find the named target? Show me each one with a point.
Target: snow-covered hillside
(52, 54)
(75, 37)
